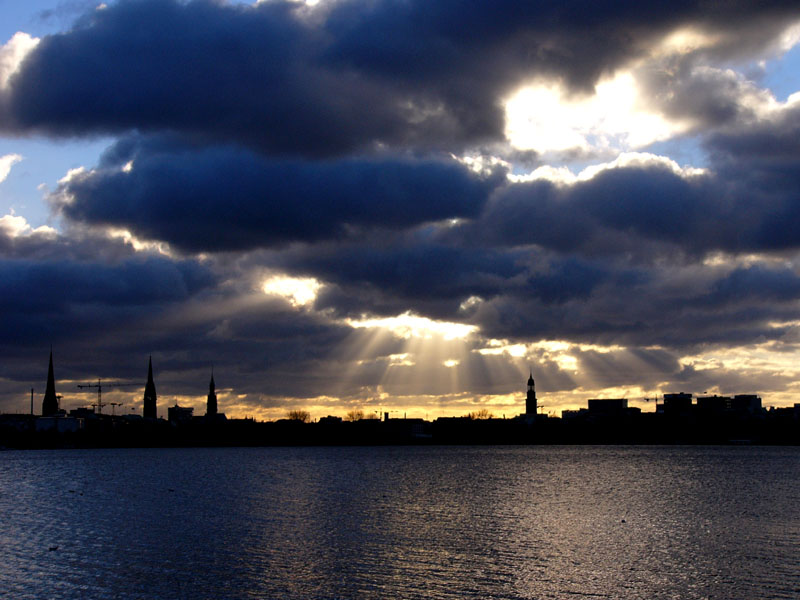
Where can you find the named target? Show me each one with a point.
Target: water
(402, 522)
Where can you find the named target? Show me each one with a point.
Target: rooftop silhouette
(677, 419)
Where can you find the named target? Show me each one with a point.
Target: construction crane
(114, 405)
(99, 385)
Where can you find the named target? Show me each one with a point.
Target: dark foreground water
(440, 522)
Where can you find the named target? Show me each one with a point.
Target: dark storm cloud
(770, 144)
(705, 97)
(744, 204)
(614, 259)
(637, 316)
(757, 282)
(223, 198)
(411, 270)
(342, 77)
(54, 287)
(388, 277)
(614, 212)
(761, 162)
(527, 293)
(105, 315)
(227, 199)
(78, 244)
(52, 301)
(28, 285)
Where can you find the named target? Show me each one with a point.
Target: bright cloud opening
(545, 118)
(684, 41)
(500, 347)
(409, 325)
(299, 291)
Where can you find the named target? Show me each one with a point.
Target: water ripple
(492, 523)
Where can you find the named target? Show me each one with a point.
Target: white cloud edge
(6, 162)
(16, 226)
(12, 53)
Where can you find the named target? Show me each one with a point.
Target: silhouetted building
(59, 424)
(677, 404)
(740, 404)
(330, 420)
(150, 398)
(50, 401)
(83, 413)
(211, 403)
(180, 414)
(713, 405)
(746, 403)
(574, 415)
(609, 407)
(530, 400)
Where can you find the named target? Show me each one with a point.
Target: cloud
(340, 77)
(53, 286)
(12, 54)
(6, 162)
(224, 198)
(743, 202)
(528, 293)
(545, 118)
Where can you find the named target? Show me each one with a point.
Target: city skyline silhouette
(404, 208)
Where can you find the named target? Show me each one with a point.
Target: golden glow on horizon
(298, 291)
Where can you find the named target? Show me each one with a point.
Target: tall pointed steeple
(150, 399)
(211, 404)
(50, 402)
(530, 400)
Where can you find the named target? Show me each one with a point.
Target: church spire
(211, 404)
(530, 400)
(150, 398)
(50, 401)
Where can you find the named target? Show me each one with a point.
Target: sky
(399, 206)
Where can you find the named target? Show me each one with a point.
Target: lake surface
(402, 522)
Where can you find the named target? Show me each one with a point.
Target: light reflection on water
(399, 522)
